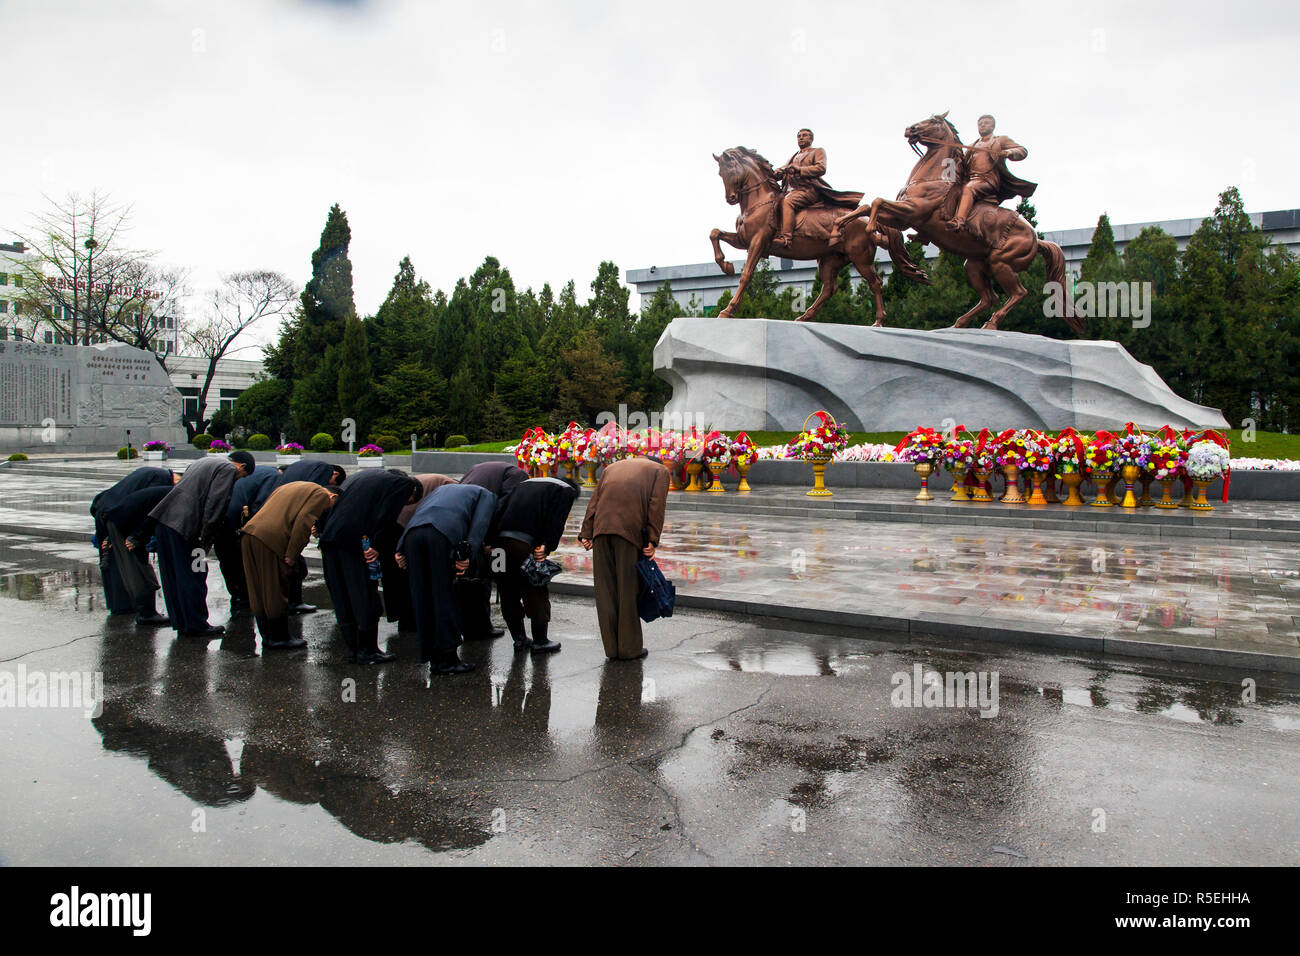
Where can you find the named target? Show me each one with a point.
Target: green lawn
(1265, 444)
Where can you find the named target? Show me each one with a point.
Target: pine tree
(355, 384)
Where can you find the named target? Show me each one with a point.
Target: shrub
(17, 456)
(259, 442)
(322, 442)
(221, 423)
(131, 452)
(387, 442)
(201, 441)
(455, 441)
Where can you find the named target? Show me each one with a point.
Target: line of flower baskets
(696, 460)
(1047, 463)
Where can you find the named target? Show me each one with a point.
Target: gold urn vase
(1036, 495)
(1049, 488)
(743, 487)
(1130, 473)
(1012, 495)
(1145, 500)
(819, 489)
(716, 467)
(1102, 478)
(590, 480)
(924, 469)
(1200, 502)
(1072, 482)
(1167, 498)
(959, 492)
(693, 469)
(981, 489)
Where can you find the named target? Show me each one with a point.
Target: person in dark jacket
(445, 533)
(226, 540)
(397, 584)
(130, 584)
(474, 595)
(272, 543)
(368, 504)
(330, 477)
(531, 523)
(185, 523)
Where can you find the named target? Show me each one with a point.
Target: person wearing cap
(185, 522)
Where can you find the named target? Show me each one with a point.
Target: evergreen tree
(355, 383)
(402, 329)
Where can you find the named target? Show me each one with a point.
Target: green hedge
(201, 441)
(135, 452)
(455, 441)
(259, 442)
(387, 442)
(17, 456)
(322, 442)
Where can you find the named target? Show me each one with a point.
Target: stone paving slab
(1121, 591)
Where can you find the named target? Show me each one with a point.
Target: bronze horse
(751, 182)
(1003, 245)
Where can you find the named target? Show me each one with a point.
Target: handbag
(539, 573)
(656, 595)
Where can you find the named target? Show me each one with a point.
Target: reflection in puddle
(786, 660)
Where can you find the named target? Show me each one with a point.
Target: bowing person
(531, 524)
(272, 543)
(368, 504)
(474, 595)
(447, 530)
(130, 584)
(397, 585)
(186, 520)
(329, 477)
(226, 540)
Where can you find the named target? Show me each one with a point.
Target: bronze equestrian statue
(807, 208)
(996, 243)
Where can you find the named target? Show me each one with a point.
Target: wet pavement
(1118, 591)
(736, 741)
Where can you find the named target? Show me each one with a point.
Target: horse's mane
(756, 158)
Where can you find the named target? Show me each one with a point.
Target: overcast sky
(555, 135)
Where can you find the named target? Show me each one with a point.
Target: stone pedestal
(761, 374)
(69, 398)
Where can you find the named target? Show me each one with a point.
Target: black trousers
(355, 596)
(518, 597)
(184, 590)
(473, 603)
(431, 569)
(129, 581)
(230, 557)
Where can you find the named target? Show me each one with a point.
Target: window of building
(4, 333)
(49, 338)
(18, 282)
(228, 396)
(4, 278)
(18, 307)
(4, 306)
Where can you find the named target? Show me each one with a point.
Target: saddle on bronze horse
(816, 221)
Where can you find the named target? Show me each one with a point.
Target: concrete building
(705, 282)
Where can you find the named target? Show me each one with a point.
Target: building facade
(699, 285)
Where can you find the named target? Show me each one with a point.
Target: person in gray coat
(447, 530)
(186, 522)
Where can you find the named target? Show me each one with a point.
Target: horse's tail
(1054, 259)
(902, 261)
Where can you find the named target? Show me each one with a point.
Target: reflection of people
(271, 545)
(988, 179)
(531, 523)
(186, 521)
(624, 520)
(119, 512)
(368, 504)
(446, 531)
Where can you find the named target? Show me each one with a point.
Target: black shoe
(375, 657)
(548, 647)
(207, 633)
(644, 652)
(286, 645)
(152, 620)
(451, 665)
(302, 608)
(276, 636)
(522, 645)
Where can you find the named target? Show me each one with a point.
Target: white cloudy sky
(555, 135)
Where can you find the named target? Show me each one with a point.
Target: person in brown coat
(624, 520)
(272, 543)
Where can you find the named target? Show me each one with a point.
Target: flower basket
(1207, 461)
(156, 450)
(818, 445)
(219, 447)
(925, 449)
(370, 456)
(288, 453)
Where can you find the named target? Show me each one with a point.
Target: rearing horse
(751, 182)
(1004, 244)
